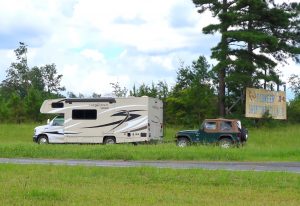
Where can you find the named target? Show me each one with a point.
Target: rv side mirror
(48, 121)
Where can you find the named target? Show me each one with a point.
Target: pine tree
(255, 36)
(219, 9)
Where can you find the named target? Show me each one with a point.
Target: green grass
(65, 185)
(265, 144)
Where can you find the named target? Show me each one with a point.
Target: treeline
(22, 92)
(24, 89)
(193, 98)
(293, 109)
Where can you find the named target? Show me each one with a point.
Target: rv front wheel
(109, 140)
(43, 139)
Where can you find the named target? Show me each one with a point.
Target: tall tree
(24, 88)
(20, 77)
(118, 91)
(193, 95)
(16, 106)
(4, 111)
(51, 79)
(262, 34)
(144, 90)
(294, 81)
(17, 79)
(219, 9)
(162, 90)
(255, 34)
(36, 78)
(71, 95)
(96, 95)
(32, 104)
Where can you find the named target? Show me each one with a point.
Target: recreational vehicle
(102, 120)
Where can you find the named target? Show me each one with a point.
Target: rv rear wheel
(43, 139)
(109, 140)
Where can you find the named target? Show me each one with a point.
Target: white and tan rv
(102, 120)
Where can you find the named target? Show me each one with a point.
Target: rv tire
(109, 140)
(43, 139)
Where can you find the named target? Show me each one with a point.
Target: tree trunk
(221, 92)
(222, 71)
(249, 70)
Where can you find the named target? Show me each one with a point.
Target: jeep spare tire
(244, 134)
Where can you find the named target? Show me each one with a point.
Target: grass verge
(278, 144)
(65, 185)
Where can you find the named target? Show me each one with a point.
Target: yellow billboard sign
(260, 101)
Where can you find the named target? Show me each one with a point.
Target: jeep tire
(225, 143)
(182, 142)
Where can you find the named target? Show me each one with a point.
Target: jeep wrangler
(223, 132)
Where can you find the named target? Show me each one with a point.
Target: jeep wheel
(182, 142)
(225, 143)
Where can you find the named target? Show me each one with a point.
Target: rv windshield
(57, 121)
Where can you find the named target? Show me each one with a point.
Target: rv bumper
(34, 139)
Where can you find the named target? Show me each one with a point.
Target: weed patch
(76, 185)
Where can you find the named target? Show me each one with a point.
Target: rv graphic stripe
(126, 113)
(56, 132)
(124, 120)
(139, 129)
(105, 125)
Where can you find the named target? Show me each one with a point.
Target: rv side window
(84, 114)
(57, 105)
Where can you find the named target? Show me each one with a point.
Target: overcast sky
(97, 42)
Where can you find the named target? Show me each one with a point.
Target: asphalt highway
(293, 167)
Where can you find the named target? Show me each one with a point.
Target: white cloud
(96, 42)
(7, 56)
(93, 54)
(96, 81)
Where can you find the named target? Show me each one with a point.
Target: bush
(293, 110)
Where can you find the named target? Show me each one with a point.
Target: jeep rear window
(210, 125)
